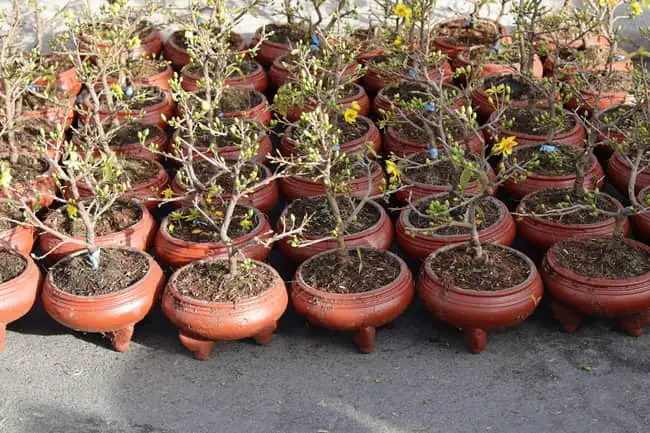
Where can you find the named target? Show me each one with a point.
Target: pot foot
(569, 319)
(266, 335)
(364, 338)
(633, 325)
(201, 349)
(476, 340)
(3, 335)
(121, 338)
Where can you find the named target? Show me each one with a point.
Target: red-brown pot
(20, 238)
(260, 113)
(607, 137)
(498, 69)
(18, 295)
(257, 80)
(641, 221)
(543, 234)
(268, 50)
(230, 152)
(113, 314)
(418, 245)
(294, 187)
(354, 147)
(575, 296)
(65, 80)
(575, 136)
(378, 236)
(618, 172)
(625, 65)
(138, 237)
(200, 322)
(360, 97)
(452, 50)
(594, 178)
(60, 114)
(374, 81)
(160, 79)
(588, 103)
(279, 74)
(176, 252)
(359, 313)
(382, 103)
(135, 149)
(41, 189)
(477, 312)
(485, 108)
(179, 55)
(394, 143)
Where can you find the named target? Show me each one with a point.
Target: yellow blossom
(504, 147)
(350, 115)
(392, 169)
(398, 42)
(403, 11)
(168, 193)
(635, 9)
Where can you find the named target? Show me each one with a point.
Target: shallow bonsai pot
(382, 103)
(229, 152)
(260, 113)
(575, 136)
(177, 252)
(136, 149)
(451, 50)
(161, 79)
(269, 51)
(201, 323)
(488, 68)
(256, 80)
(374, 80)
(477, 312)
(359, 313)
(618, 172)
(18, 295)
(279, 74)
(360, 97)
(113, 314)
(394, 143)
(180, 57)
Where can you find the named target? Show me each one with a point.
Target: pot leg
(3, 335)
(121, 338)
(266, 335)
(364, 338)
(200, 348)
(476, 339)
(633, 325)
(569, 319)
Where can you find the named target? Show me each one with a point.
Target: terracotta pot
(360, 97)
(451, 50)
(295, 187)
(374, 80)
(230, 152)
(575, 296)
(179, 55)
(383, 103)
(354, 147)
(138, 237)
(135, 149)
(418, 245)
(625, 65)
(594, 178)
(394, 143)
(641, 221)
(20, 238)
(113, 314)
(477, 312)
(62, 114)
(256, 80)
(65, 80)
(379, 236)
(151, 115)
(18, 295)
(269, 51)
(280, 74)
(160, 79)
(618, 173)
(592, 101)
(260, 113)
(413, 190)
(359, 313)
(543, 234)
(575, 136)
(200, 322)
(488, 68)
(41, 189)
(607, 138)
(176, 252)
(264, 198)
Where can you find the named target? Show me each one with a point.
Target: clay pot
(360, 97)
(543, 234)
(20, 238)
(41, 189)
(268, 50)
(379, 236)
(451, 50)
(200, 322)
(575, 296)
(160, 79)
(354, 147)
(641, 221)
(516, 190)
(260, 113)
(280, 74)
(359, 313)
(485, 108)
(256, 80)
(138, 237)
(179, 55)
(263, 198)
(574, 136)
(593, 101)
(150, 46)
(477, 312)
(176, 252)
(462, 60)
(135, 149)
(18, 295)
(113, 314)
(374, 80)
(295, 187)
(394, 143)
(229, 152)
(625, 65)
(418, 245)
(607, 137)
(62, 114)
(65, 80)
(383, 103)
(618, 173)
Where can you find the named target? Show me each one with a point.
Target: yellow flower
(392, 169)
(398, 42)
(403, 11)
(350, 115)
(504, 147)
(168, 193)
(635, 9)
(72, 211)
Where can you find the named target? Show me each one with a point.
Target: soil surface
(487, 214)
(8, 212)
(525, 121)
(365, 270)
(28, 135)
(602, 258)
(237, 99)
(211, 282)
(519, 89)
(11, 265)
(145, 68)
(560, 163)
(554, 199)
(207, 173)
(621, 117)
(453, 130)
(190, 225)
(439, 172)
(322, 221)
(179, 39)
(118, 269)
(457, 267)
(408, 91)
(284, 34)
(456, 33)
(600, 81)
(28, 167)
(135, 171)
(120, 216)
(128, 134)
(507, 55)
(143, 97)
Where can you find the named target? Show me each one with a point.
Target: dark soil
(519, 89)
(118, 269)
(11, 265)
(207, 173)
(439, 172)
(143, 98)
(135, 171)
(236, 99)
(481, 33)
(614, 82)
(28, 136)
(487, 214)
(245, 67)
(453, 129)
(179, 39)
(120, 216)
(144, 67)
(60, 62)
(457, 267)
(284, 34)
(211, 282)
(28, 167)
(555, 199)
(507, 55)
(560, 163)
(365, 270)
(322, 221)
(9, 211)
(524, 121)
(621, 117)
(352, 131)
(602, 258)
(128, 134)
(188, 224)
(204, 140)
(408, 91)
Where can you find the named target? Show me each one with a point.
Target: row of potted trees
(466, 132)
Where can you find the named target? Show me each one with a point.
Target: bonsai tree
(300, 23)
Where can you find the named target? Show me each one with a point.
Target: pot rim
(376, 172)
(167, 100)
(177, 186)
(594, 165)
(46, 174)
(145, 184)
(409, 182)
(525, 136)
(289, 129)
(392, 132)
(28, 263)
(441, 40)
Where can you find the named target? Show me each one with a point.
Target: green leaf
(465, 176)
